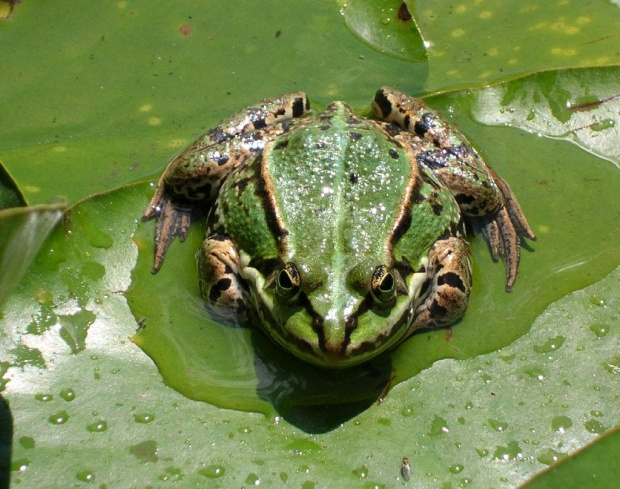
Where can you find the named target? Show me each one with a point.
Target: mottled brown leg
(449, 270)
(220, 286)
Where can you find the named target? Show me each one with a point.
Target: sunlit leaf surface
(100, 94)
(581, 106)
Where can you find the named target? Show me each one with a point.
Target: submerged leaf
(580, 106)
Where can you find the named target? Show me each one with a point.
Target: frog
(337, 235)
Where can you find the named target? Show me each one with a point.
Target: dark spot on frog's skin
(218, 237)
(452, 279)
(407, 121)
(320, 144)
(437, 309)
(437, 208)
(353, 120)
(355, 136)
(393, 153)
(281, 144)
(259, 123)
(353, 178)
(222, 160)
(463, 199)
(422, 125)
(325, 127)
(222, 285)
(298, 107)
(280, 111)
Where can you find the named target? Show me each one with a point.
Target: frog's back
(336, 186)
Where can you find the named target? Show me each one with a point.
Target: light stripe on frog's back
(339, 186)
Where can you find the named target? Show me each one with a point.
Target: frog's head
(337, 316)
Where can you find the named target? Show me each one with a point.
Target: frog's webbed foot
(173, 219)
(503, 230)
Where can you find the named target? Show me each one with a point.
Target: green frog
(338, 235)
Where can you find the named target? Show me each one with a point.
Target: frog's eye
(383, 284)
(288, 283)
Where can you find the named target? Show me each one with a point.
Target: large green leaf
(87, 403)
(102, 94)
(594, 466)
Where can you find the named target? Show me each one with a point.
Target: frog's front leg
(196, 174)
(449, 272)
(481, 194)
(221, 288)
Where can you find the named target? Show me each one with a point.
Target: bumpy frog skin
(339, 235)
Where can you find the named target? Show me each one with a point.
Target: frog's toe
(173, 220)
(504, 240)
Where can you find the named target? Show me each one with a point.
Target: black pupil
(284, 280)
(387, 283)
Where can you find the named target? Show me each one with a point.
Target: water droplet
(67, 394)
(597, 414)
(612, 365)
(600, 330)
(456, 468)
(598, 301)
(510, 452)
(44, 397)
(594, 426)
(143, 418)
(97, 426)
(212, 471)
(145, 451)
(461, 420)
(20, 464)
(407, 411)
(550, 457)
(561, 423)
(245, 430)
(85, 475)
(497, 425)
(26, 442)
(531, 115)
(535, 373)
(361, 472)
(61, 417)
(283, 476)
(482, 452)
(303, 447)
(552, 344)
(252, 479)
(308, 485)
(439, 426)
(384, 421)
(171, 474)
(602, 125)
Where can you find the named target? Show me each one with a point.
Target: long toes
(490, 230)
(173, 221)
(511, 245)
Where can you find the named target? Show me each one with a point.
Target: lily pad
(102, 412)
(473, 43)
(580, 106)
(103, 94)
